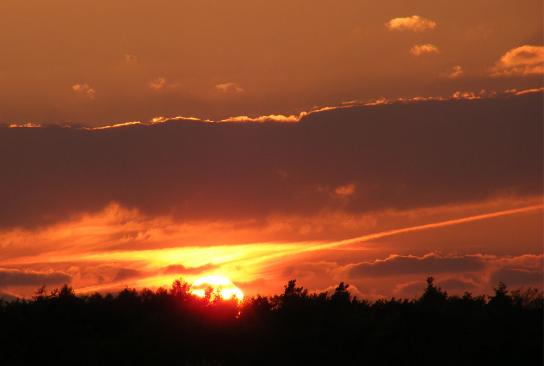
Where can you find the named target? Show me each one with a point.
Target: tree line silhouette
(173, 327)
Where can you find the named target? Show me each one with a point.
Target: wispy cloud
(229, 88)
(130, 58)
(157, 84)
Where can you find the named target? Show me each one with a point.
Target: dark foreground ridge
(172, 327)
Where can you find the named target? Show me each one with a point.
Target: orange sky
(369, 142)
(96, 62)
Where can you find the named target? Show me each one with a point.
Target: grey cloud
(399, 156)
(518, 277)
(413, 265)
(126, 273)
(15, 277)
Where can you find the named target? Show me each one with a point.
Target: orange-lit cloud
(84, 89)
(229, 88)
(523, 60)
(283, 69)
(345, 190)
(268, 118)
(131, 59)
(413, 23)
(424, 49)
(119, 247)
(24, 125)
(455, 72)
(142, 203)
(468, 95)
(157, 84)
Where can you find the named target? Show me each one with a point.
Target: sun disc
(221, 286)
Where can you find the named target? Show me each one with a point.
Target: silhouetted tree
(173, 327)
(433, 296)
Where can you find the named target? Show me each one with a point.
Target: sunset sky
(374, 143)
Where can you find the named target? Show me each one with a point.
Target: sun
(221, 286)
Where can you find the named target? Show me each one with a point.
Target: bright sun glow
(220, 285)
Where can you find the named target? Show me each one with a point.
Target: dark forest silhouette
(173, 327)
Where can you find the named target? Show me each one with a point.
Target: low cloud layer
(18, 278)
(397, 156)
(412, 265)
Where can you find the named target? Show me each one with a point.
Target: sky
(375, 143)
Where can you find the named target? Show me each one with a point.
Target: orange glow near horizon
(219, 285)
(217, 266)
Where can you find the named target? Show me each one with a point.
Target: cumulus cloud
(229, 88)
(84, 89)
(414, 23)
(16, 277)
(413, 265)
(424, 49)
(524, 60)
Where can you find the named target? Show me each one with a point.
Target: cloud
(229, 88)
(520, 61)
(267, 118)
(515, 277)
(84, 89)
(24, 125)
(424, 49)
(416, 288)
(157, 84)
(16, 277)
(127, 273)
(131, 59)
(163, 169)
(455, 72)
(6, 296)
(181, 269)
(429, 264)
(467, 95)
(456, 285)
(414, 23)
(345, 190)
